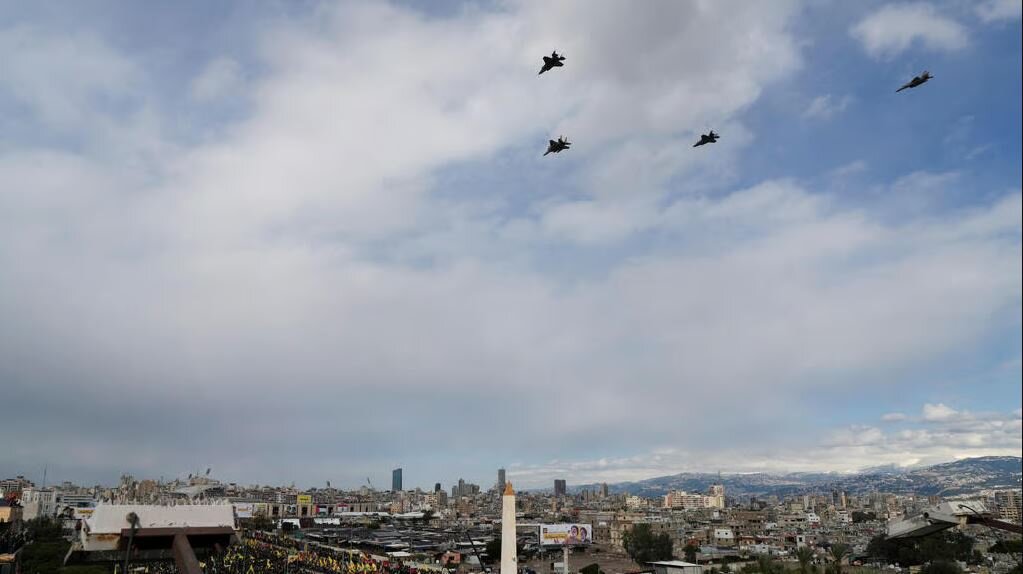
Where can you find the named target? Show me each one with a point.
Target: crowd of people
(264, 553)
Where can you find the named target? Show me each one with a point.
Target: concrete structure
(500, 480)
(509, 542)
(1008, 504)
(675, 567)
(717, 496)
(76, 500)
(464, 489)
(947, 515)
(153, 532)
(724, 537)
(16, 485)
(690, 501)
(633, 502)
(38, 502)
(102, 530)
(9, 512)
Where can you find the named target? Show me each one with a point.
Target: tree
(941, 567)
(644, 546)
(427, 515)
(805, 556)
(47, 549)
(839, 552)
(43, 528)
(690, 551)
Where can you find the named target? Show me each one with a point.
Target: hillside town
(459, 529)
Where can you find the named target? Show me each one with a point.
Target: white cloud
(939, 413)
(893, 417)
(994, 10)
(825, 107)
(844, 450)
(220, 78)
(892, 29)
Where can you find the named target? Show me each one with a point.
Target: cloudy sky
(308, 241)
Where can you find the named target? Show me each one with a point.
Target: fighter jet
(557, 146)
(706, 139)
(916, 81)
(552, 61)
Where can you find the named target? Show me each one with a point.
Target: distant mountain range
(964, 476)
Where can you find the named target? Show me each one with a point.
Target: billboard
(80, 513)
(303, 499)
(565, 534)
(244, 509)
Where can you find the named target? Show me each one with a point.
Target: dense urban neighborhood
(823, 520)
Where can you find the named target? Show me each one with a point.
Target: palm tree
(838, 553)
(805, 556)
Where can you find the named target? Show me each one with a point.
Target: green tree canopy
(644, 546)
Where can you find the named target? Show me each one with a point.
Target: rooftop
(112, 518)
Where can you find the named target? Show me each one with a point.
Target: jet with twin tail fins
(552, 61)
(917, 81)
(707, 138)
(557, 146)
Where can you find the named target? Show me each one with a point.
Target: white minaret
(508, 541)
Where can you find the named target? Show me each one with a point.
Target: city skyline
(569, 484)
(301, 241)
